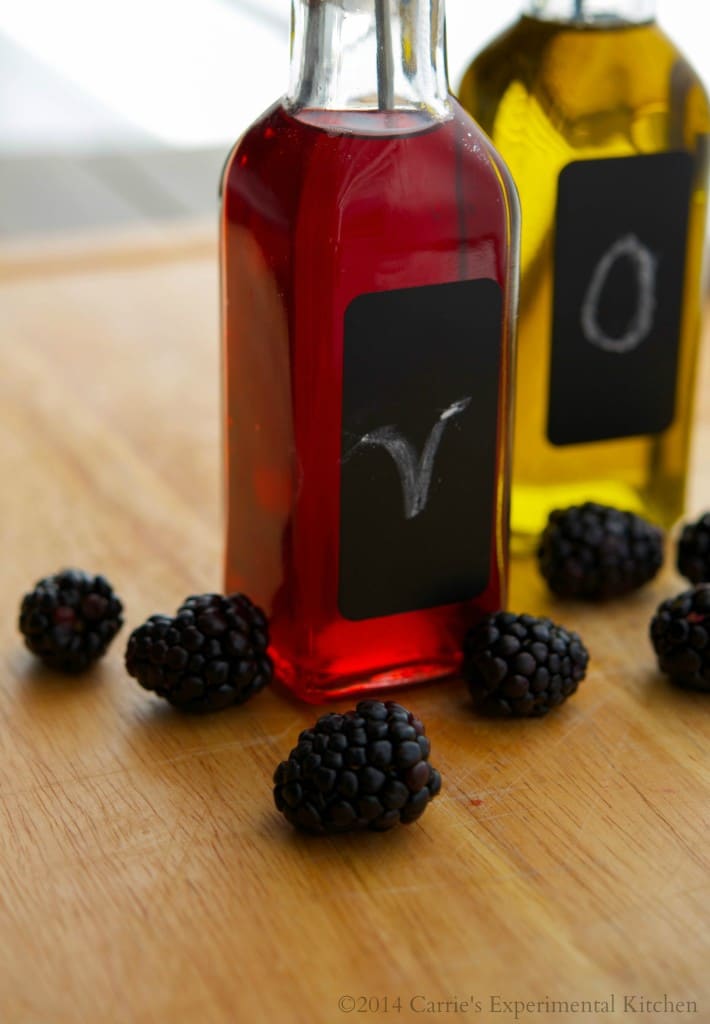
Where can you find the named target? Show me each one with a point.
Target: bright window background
(192, 73)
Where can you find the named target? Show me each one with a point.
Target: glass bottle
(369, 274)
(604, 127)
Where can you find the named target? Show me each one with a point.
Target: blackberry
(70, 619)
(521, 666)
(366, 769)
(680, 634)
(210, 655)
(597, 552)
(693, 560)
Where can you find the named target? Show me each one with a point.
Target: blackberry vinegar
(369, 262)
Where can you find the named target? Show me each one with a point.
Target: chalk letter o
(642, 321)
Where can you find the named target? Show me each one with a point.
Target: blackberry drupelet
(521, 666)
(366, 769)
(680, 634)
(693, 559)
(70, 619)
(212, 654)
(597, 552)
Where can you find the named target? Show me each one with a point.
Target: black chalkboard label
(619, 268)
(421, 373)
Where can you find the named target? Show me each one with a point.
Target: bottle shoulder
(245, 141)
(406, 192)
(284, 141)
(478, 144)
(532, 52)
(584, 81)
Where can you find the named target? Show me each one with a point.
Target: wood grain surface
(144, 873)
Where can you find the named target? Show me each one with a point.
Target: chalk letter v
(415, 474)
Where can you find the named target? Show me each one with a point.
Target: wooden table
(146, 876)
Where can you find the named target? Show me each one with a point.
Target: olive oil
(553, 92)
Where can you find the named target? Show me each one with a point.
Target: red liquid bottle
(369, 278)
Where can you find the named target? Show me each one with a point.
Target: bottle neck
(590, 12)
(365, 55)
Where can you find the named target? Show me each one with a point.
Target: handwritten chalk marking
(642, 321)
(414, 473)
